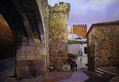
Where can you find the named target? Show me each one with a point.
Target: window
(85, 50)
(78, 38)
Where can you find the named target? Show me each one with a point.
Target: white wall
(74, 49)
(81, 62)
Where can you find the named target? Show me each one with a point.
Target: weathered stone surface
(29, 22)
(103, 45)
(58, 34)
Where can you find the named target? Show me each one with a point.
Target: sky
(90, 11)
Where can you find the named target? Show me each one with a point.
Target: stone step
(104, 71)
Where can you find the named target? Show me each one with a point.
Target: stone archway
(7, 49)
(30, 32)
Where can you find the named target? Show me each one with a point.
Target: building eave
(104, 23)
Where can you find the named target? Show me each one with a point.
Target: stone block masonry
(31, 60)
(29, 23)
(103, 45)
(58, 34)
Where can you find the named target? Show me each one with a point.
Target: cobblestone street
(77, 76)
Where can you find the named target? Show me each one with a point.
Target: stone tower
(58, 34)
(79, 30)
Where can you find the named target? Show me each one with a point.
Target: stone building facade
(103, 45)
(79, 30)
(58, 34)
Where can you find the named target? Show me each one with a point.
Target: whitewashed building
(77, 45)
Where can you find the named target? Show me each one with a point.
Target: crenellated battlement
(83, 26)
(80, 25)
(65, 7)
(79, 29)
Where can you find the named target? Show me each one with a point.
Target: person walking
(73, 65)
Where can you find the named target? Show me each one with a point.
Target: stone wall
(58, 34)
(31, 60)
(44, 11)
(33, 56)
(103, 44)
(29, 23)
